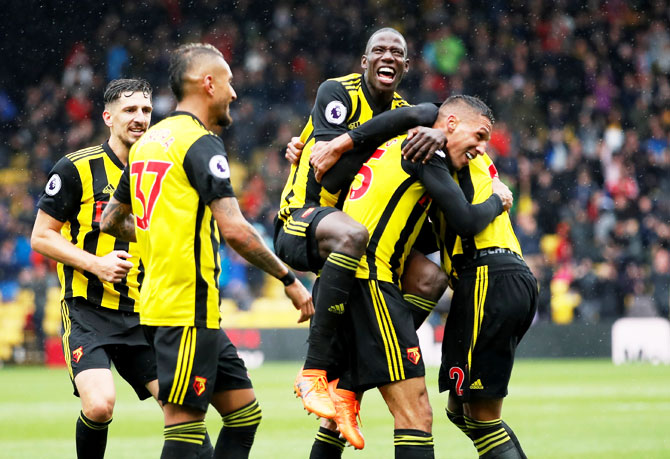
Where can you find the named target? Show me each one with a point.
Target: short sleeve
(122, 193)
(61, 198)
(331, 109)
(206, 166)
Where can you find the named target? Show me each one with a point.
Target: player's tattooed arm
(243, 238)
(118, 220)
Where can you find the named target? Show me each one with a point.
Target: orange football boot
(347, 408)
(312, 386)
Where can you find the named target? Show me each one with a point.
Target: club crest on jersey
(77, 354)
(199, 385)
(306, 213)
(53, 185)
(336, 112)
(218, 166)
(414, 354)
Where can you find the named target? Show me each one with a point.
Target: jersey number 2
(366, 172)
(159, 169)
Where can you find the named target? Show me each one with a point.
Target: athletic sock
(515, 440)
(491, 439)
(336, 280)
(206, 450)
(237, 434)
(184, 440)
(327, 445)
(91, 437)
(458, 420)
(420, 307)
(413, 444)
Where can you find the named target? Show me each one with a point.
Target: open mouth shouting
(469, 155)
(386, 75)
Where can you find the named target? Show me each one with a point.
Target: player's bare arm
(118, 220)
(47, 240)
(246, 241)
(324, 155)
(422, 143)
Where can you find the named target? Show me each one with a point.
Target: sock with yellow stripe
(420, 307)
(184, 440)
(491, 439)
(327, 445)
(335, 282)
(458, 420)
(413, 444)
(515, 440)
(237, 434)
(91, 437)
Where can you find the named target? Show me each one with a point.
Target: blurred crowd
(580, 91)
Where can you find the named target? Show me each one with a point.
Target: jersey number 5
(366, 172)
(157, 168)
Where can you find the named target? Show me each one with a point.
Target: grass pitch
(558, 408)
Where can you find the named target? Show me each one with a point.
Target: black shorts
(491, 309)
(295, 239)
(94, 336)
(194, 363)
(386, 346)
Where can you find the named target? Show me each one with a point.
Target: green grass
(558, 408)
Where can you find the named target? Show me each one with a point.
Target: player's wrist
(288, 278)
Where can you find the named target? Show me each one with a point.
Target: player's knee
(99, 410)
(353, 239)
(415, 416)
(430, 284)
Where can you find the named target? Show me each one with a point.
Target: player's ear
(406, 69)
(364, 62)
(452, 122)
(107, 118)
(208, 84)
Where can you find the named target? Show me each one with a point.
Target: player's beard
(224, 119)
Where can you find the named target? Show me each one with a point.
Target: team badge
(336, 112)
(414, 354)
(199, 385)
(53, 185)
(218, 166)
(77, 354)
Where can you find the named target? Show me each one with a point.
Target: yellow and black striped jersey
(475, 180)
(76, 193)
(341, 104)
(174, 171)
(391, 196)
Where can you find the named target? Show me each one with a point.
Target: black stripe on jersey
(68, 271)
(312, 189)
(215, 251)
(381, 226)
(356, 115)
(399, 249)
(95, 289)
(465, 182)
(352, 80)
(200, 312)
(125, 302)
(140, 275)
(78, 157)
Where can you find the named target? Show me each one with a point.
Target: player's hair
(126, 87)
(181, 60)
(383, 30)
(475, 103)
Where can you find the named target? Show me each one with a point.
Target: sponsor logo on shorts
(477, 385)
(77, 354)
(199, 385)
(414, 354)
(337, 308)
(109, 189)
(306, 213)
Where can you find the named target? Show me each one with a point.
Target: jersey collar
(115, 159)
(376, 109)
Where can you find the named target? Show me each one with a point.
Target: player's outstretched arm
(118, 220)
(246, 241)
(47, 240)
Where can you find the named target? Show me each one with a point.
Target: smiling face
(385, 62)
(128, 117)
(467, 134)
(224, 93)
